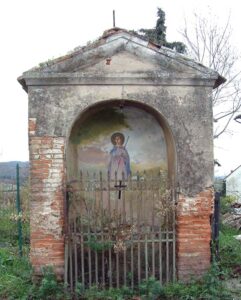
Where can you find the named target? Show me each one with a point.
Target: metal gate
(120, 232)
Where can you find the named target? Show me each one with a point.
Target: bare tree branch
(211, 45)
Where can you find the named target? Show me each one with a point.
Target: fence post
(19, 220)
(216, 225)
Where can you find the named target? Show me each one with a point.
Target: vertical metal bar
(139, 259)
(66, 233)
(66, 206)
(75, 254)
(109, 230)
(160, 256)
(89, 231)
(124, 222)
(153, 255)
(96, 268)
(146, 257)
(66, 246)
(116, 199)
(124, 268)
(117, 225)
(66, 261)
(89, 262)
(139, 231)
(82, 188)
(132, 224)
(132, 262)
(71, 264)
(153, 227)
(124, 200)
(82, 256)
(102, 230)
(144, 220)
(160, 231)
(167, 240)
(174, 232)
(167, 257)
(95, 229)
(215, 238)
(117, 270)
(70, 243)
(18, 206)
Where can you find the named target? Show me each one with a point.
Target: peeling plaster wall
(187, 109)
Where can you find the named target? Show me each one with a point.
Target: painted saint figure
(119, 158)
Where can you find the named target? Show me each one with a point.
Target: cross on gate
(120, 186)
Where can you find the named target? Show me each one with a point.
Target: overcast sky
(34, 31)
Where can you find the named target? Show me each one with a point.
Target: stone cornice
(139, 79)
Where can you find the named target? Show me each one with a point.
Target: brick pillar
(194, 235)
(47, 200)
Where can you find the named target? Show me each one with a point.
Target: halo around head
(114, 135)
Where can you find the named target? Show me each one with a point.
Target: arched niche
(126, 220)
(148, 139)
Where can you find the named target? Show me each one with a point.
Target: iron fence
(120, 232)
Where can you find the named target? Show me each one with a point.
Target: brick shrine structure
(121, 67)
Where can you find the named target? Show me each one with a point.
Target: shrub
(226, 202)
(49, 288)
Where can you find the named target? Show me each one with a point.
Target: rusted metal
(216, 225)
(71, 268)
(75, 255)
(120, 239)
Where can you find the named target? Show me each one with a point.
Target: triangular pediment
(120, 54)
(127, 62)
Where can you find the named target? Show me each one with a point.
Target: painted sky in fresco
(146, 144)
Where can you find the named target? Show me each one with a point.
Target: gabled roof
(142, 59)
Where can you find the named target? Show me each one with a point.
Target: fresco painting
(125, 141)
(119, 164)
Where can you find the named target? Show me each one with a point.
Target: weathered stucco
(122, 68)
(188, 111)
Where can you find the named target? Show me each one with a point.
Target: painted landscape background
(91, 140)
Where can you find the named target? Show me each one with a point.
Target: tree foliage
(211, 45)
(158, 34)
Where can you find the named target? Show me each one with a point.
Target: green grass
(16, 280)
(8, 228)
(229, 248)
(209, 288)
(16, 274)
(15, 283)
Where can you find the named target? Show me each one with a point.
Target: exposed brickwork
(194, 234)
(47, 198)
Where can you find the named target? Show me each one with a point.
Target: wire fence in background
(14, 214)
